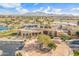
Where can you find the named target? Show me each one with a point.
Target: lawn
(69, 20)
(76, 53)
(8, 33)
(72, 27)
(5, 19)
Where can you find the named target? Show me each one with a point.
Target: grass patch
(76, 53)
(8, 33)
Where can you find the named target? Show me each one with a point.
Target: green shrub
(18, 54)
(76, 53)
(78, 23)
(45, 39)
(13, 34)
(52, 45)
(51, 36)
(65, 37)
(77, 33)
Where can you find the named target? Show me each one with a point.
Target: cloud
(6, 12)
(47, 10)
(38, 10)
(75, 9)
(57, 11)
(42, 9)
(17, 6)
(10, 5)
(35, 4)
(52, 10)
(22, 10)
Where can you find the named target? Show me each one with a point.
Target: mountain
(37, 14)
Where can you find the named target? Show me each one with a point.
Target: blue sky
(51, 8)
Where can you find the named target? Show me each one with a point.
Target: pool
(3, 28)
(74, 44)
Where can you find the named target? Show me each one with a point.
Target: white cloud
(52, 10)
(21, 10)
(17, 6)
(10, 5)
(38, 10)
(57, 11)
(35, 4)
(47, 10)
(42, 9)
(73, 9)
(7, 13)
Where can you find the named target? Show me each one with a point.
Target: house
(58, 33)
(32, 30)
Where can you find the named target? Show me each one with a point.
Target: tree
(52, 45)
(65, 37)
(60, 27)
(76, 53)
(6, 21)
(77, 33)
(19, 54)
(55, 34)
(78, 23)
(46, 44)
(51, 35)
(45, 39)
(69, 32)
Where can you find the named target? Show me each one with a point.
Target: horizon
(49, 8)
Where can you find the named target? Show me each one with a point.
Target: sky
(51, 8)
